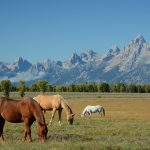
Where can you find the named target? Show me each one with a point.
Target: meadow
(126, 125)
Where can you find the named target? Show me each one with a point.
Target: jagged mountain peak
(130, 64)
(74, 55)
(75, 58)
(114, 50)
(89, 56)
(114, 47)
(139, 39)
(137, 46)
(19, 59)
(89, 52)
(111, 53)
(20, 65)
(130, 56)
(48, 63)
(47, 60)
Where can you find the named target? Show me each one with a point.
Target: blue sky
(54, 29)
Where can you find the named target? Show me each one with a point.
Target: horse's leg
(59, 115)
(52, 117)
(27, 130)
(24, 135)
(86, 113)
(100, 112)
(2, 122)
(44, 111)
(89, 114)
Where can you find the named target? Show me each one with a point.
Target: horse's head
(82, 115)
(42, 132)
(70, 118)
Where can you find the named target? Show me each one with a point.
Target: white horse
(93, 109)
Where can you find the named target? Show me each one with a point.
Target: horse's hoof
(30, 140)
(43, 141)
(2, 142)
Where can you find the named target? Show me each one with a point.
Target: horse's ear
(42, 124)
(72, 115)
(34, 98)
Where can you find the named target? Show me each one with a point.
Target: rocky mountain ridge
(130, 64)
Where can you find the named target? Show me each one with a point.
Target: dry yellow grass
(124, 108)
(126, 125)
(127, 108)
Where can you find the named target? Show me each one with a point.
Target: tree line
(6, 86)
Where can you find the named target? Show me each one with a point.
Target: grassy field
(126, 125)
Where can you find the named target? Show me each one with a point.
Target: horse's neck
(84, 111)
(39, 117)
(66, 108)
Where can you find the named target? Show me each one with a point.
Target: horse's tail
(103, 111)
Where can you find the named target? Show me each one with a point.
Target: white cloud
(27, 76)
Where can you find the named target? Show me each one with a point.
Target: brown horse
(55, 102)
(26, 110)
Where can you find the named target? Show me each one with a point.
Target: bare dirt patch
(68, 137)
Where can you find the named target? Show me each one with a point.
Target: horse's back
(29, 101)
(16, 110)
(25, 106)
(9, 109)
(2, 100)
(48, 102)
(28, 104)
(92, 108)
(7, 103)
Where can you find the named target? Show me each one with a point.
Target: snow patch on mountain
(130, 65)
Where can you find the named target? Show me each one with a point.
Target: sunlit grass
(126, 125)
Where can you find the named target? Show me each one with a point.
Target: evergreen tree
(43, 85)
(104, 87)
(34, 88)
(22, 88)
(6, 87)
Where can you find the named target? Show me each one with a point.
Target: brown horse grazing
(26, 110)
(55, 102)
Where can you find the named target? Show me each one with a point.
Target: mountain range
(130, 64)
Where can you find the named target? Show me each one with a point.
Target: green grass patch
(125, 127)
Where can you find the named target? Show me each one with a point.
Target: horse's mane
(39, 116)
(65, 103)
(7, 99)
(85, 109)
(37, 112)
